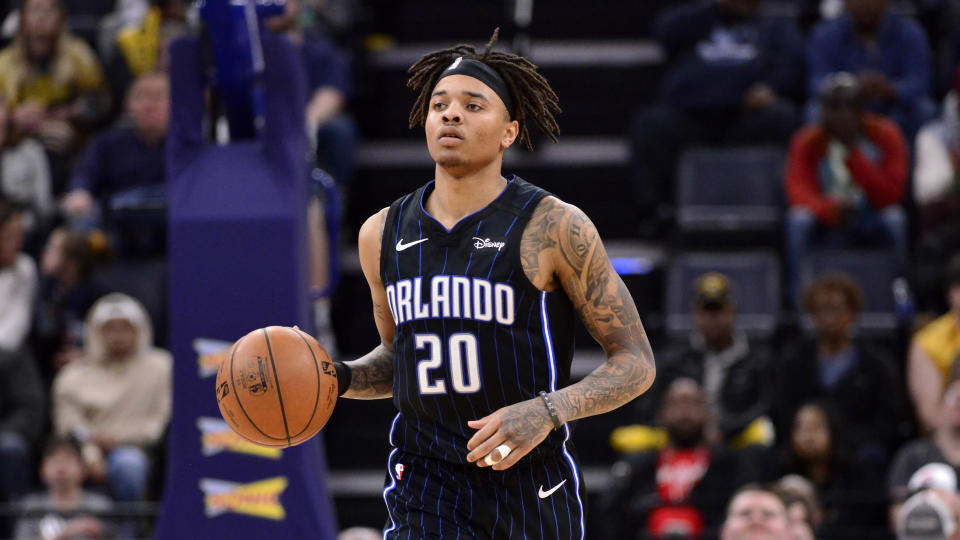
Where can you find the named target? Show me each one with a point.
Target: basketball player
(475, 281)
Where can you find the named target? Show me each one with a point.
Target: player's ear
(509, 134)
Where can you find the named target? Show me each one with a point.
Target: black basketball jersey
(472, 333)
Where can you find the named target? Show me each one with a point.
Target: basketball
(277, 387)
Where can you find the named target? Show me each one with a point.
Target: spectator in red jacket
(845, 177)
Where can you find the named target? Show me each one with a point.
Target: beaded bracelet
(551, 409)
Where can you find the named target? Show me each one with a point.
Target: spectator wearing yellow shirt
(51, 79)
(934, 351)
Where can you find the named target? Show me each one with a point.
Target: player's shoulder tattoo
(540, 235)
(565, 232)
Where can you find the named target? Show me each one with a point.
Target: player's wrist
(551, 409)
(344, 376)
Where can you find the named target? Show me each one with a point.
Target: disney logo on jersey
(483, 243)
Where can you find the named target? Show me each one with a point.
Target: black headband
(483, 73)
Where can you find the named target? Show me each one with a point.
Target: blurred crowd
(84, 115)
(835, 433)
(827, 416)
(820, 433)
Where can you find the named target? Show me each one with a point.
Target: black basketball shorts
(430, 498)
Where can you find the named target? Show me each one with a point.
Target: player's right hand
(521, 427)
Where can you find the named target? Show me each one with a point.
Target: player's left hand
(521, 427)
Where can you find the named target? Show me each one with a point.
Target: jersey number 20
(461, 356)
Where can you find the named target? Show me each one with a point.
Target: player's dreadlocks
(533, 97)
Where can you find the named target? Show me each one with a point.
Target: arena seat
(722, 190)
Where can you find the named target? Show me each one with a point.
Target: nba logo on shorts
(399, 469)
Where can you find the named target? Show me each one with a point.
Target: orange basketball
(277, 387)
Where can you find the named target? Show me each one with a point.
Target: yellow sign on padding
(258, 499)
(210, 353)
(217, 437)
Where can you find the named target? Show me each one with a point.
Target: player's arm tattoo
(371, 376)
(609, 313)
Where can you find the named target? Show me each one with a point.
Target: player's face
(755, 515)
(467, 125)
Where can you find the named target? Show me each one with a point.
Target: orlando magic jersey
(472, 333)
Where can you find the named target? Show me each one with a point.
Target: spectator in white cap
(931, 514)
(116, 399)
(935, 476)
(933, 461)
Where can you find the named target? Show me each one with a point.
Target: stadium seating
(730, 190)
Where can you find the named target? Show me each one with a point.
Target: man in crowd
(845, 177)
(720, 358)
(889, 56)
(126, 160)
(683, 487)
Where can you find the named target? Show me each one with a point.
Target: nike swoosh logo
(401, 246)
(544, 494)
